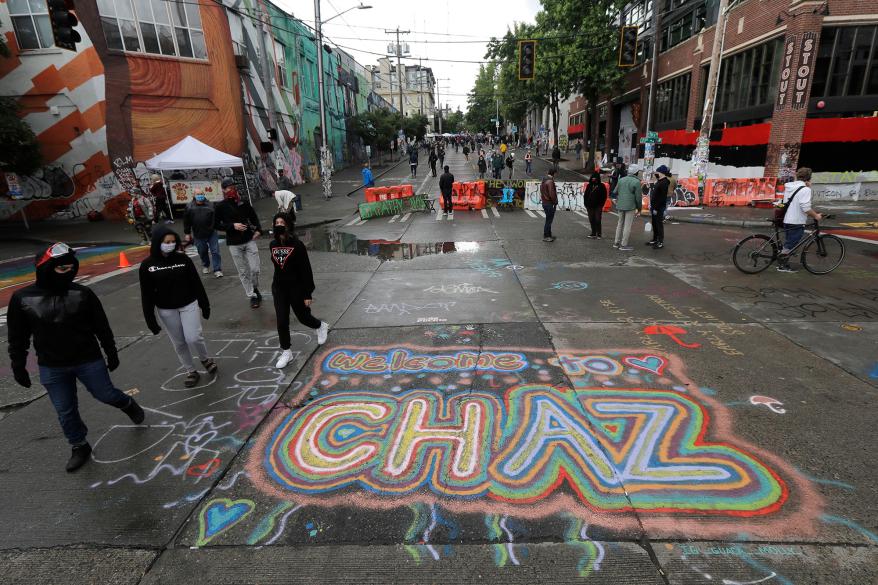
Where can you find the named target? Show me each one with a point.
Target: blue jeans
(792, 235)
(212, 244)
(60, 383)
(549, 210)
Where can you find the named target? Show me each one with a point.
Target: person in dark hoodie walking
(446, 188)
(658, 203)
(595, 198)
(238, 219)
(171, 287)
(292, 286)
(433, 158)
(199, 223)
(413, 161)
(69, 328)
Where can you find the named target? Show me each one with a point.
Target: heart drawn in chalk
(649, 363)
(205, 469)
(219, 515)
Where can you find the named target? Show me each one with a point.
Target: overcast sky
(452, 20)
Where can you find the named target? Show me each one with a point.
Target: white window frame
(32, 16)
(109, 11)
(280, 62)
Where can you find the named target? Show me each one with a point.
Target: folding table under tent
(191, 153)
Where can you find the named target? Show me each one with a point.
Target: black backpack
(780, 210)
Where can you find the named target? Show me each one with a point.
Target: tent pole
(244, 170)
(170, 205)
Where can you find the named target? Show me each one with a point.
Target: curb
(742, 223)
(378, 176)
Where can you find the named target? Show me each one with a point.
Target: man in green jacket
(628, 202)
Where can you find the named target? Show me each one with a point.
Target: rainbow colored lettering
(402, 361)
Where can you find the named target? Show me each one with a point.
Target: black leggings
(594, 218)
(447, 205)
(658, 225)
(284, 300)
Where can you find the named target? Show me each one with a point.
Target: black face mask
(280, 230)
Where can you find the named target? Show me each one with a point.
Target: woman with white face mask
(170, 287)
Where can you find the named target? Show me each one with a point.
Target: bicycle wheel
(823, 254)
(754, 253)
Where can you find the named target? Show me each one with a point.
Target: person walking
(619, 171)
(441, 154)
(466, 151)
(169, 286)
(199, 224)
(528, 162)
(446, 188)
(483, 165)
(658, 203)
(160, 196)
(797, 198)
(595, 197)
(292, 286)
(549, 199)
(433, 158)
(629, 201)
(238, 219)
(578, 149)
(413, 161)
(556, 157)
(141, 213)
(69, 328)
(368, 179)
(497, 165)
(510, 161)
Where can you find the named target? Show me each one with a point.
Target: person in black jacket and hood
(658, 203)
(595, 197)
(239, 220)
(171, 287)
(292, 286)
(69, 328)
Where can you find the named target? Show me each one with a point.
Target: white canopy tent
(191, 153)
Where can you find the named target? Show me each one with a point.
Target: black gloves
(112, 361)
(205, 312)
(21, 376)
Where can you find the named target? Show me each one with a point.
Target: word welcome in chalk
(403, 361)
(612, 447)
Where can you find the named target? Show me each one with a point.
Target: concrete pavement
(488, 408)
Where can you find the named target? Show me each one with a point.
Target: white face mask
(168, 248)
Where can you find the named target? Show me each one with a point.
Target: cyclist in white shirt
(796, 216)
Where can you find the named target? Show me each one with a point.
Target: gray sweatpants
(246, 259)
(184, 328)
(623, 228)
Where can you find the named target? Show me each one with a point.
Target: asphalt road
(488, 408)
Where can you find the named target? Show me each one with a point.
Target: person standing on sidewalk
(432, 159)
(292, 286)
(556, 157)
(69, 328)
(199, 224)
(141, 212)
(595, 197)
(160, 196)
(238, 219)
(413, 161)
(797, 197)
(658, 203)
(629, 200)
(368, 178)
(549, 199)
(446, 187)
(170, 286)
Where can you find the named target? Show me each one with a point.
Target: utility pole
(497, 119)
(649, 147)
(325, 155)
(702, 146)
(420, 88)
(398, 63)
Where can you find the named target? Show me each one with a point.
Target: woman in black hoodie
(292, 286)
(171, 287)
(595, 198)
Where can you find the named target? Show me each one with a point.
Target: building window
(672, 99)
(281, 65)
(748, 79)
(30, 19)
(682, 28)
(847, 63)
(159, 27)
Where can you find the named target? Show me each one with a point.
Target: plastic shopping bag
(647, 227)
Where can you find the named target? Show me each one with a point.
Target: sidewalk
(849, 215)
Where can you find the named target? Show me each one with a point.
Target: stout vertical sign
(786, 72)
(804, 66)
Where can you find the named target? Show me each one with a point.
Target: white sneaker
(218, 273)
(285, 358)
(322, 332)
(205, 270)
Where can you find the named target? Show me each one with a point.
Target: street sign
(651, 140)
(652, 134)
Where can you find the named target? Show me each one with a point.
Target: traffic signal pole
(649, 147)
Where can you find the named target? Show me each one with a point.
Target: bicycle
(820, 253)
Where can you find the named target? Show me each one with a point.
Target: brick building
(798, 86)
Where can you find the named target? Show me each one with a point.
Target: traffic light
(628, 46)
(527, 59)
(63, 22)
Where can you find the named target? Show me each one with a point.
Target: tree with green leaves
(19, 150)
(454, 123)
(480, 101)
(376, 128)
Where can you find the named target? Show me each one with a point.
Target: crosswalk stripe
(352, 222)
(530, 213)
(496, 213)
(581, 213)
(393, 219)
(405, 217)
(485, 214)
(541, 213)
(361, 222)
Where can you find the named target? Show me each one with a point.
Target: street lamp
(325, 155)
